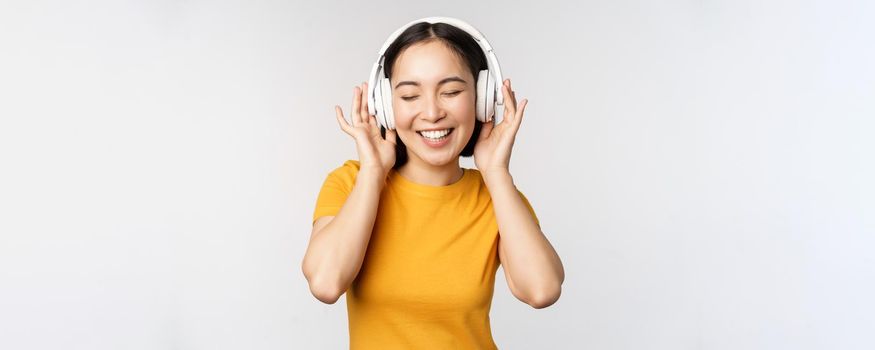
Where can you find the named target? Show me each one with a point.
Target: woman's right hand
(374, 152)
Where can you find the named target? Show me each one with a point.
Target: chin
(439, 158)
(440, 162)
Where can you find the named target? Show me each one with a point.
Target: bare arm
(338, 244)
(532, 267)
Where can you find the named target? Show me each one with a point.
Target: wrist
(372, 176)
(496, 175)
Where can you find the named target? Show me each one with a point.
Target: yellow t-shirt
(428, 275)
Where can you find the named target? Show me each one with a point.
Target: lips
(441, 142)
(448, 133)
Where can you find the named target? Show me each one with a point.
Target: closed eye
(451, 94)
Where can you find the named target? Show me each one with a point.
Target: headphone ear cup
(482, 92)
(372, 109)
(490, 98)
(377, 103)
(388, 113)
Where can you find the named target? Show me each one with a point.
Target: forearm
(530, 260)
(336, 252)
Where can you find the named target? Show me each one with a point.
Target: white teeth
(435, 134)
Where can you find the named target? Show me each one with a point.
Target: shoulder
(350, 166)
(476, 175)
(345, 174)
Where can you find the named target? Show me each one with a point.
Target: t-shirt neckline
(445, 191)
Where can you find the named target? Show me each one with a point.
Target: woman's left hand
(492, 151)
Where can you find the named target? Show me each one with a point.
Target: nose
(433, 111)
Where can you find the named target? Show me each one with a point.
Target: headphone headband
(377, 71)
(448, 20)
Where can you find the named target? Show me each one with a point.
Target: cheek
(405, 111)
(403, 115)
(467, 107)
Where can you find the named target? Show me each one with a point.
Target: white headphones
(489, 81)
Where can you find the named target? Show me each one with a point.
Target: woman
(412, 238)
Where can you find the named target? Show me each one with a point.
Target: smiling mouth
(439, 138)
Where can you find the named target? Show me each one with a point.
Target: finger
(356, 106)
(520, 113)
(512, 93)
(341, 120)
(509, 104)
(375, 130)
(509, 95)
(485, 130)
(364, 111)
(391, 136)
(516, 106)
(363, 117)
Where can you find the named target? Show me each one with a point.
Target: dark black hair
(462, 43)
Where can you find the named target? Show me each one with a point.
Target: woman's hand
(375, 153)
(492, 151)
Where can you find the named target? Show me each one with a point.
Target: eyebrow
(443, 81)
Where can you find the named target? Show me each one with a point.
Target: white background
(703, 168)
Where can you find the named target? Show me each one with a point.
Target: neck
(423, 173)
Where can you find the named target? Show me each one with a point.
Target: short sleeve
(529, 205)
(335, 189)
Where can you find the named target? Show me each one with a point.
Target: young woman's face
(432, 89)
